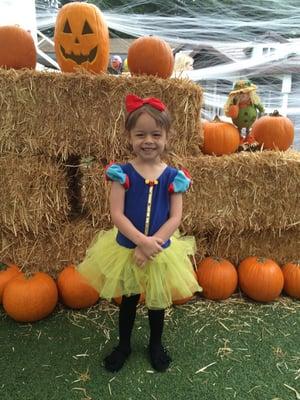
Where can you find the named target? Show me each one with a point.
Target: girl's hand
(139, 257)
(151, 246)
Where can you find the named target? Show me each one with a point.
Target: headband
(134, 102)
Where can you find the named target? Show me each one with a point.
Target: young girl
(142, 255)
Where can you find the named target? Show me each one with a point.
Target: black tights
(126, 321)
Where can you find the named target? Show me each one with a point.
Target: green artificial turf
(234, 349)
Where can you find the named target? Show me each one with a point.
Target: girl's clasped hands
(147, 249)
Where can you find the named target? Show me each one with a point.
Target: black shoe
(160, 359)
(116, 359)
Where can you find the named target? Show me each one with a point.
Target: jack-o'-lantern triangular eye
(86, 29)
(67, 28)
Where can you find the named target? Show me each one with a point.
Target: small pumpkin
(291, 274)
(17, 48)
(81, 38)
(220, 138)
(273, 132)
(260, 278)
(29, 299)
(118, 299)
(74, 290)
(7, 272)
(233, 111)
(218, 278)
(150, 55)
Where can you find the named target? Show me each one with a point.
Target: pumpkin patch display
(291, 273)
(74, 290)
(17, 48)
(29, 299)
(218, 278)
(220, 137)
(150, 55)
(7, 272)
(81, 38)
(261, 279)
(274, 132)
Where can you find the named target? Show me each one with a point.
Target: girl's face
(148, 139)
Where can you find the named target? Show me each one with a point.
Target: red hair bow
(134, 102)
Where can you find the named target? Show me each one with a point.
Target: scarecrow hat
(242, 86)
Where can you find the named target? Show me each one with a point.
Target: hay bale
(34, 194)
(281, 245)
(64, 114)
(244, 191)
(52, 251)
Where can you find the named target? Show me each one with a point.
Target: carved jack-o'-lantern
(81, 38)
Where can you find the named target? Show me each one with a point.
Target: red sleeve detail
(126, 184)
(186, 173)
(171, 188)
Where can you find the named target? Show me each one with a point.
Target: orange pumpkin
(233, 111)
(184, 300)
(28, 299)
(74, 290)
(81, 38)
(150, 55)
(274, 131)
(260, 278)
(220, 138)
(118, 299)
(17, 48)
(218, 278)
(291, 274)
(7, 272)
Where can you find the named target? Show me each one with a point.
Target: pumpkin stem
(275, 113)
(2, 266)
(217, 258)
(216, 119)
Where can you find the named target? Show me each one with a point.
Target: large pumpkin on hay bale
(260, 278)
(291, 274)
(218, 278)
(150, 55)
(74, 290)
(220, 138)
(81, 38)
(17, 48)
(29, 299)
(7, 272)
(273, 132)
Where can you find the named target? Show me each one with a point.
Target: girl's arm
(125, 226)
(170, 226)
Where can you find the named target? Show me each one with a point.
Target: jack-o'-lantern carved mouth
(80, 58)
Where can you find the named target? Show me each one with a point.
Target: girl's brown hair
(162, 118)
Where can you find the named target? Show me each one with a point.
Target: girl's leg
(160, 359)
(115, 361)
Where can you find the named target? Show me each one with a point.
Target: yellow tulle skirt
(111, 270)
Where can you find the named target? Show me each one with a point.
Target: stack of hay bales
(51, 205)
(248, 204)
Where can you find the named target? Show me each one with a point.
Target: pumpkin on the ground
(261, 279)
(81, 38)
(74, 290)
(273, 132)
(17, 48)
(29, 299)
(220, 138)
(7, 272)
(218, 278)
(291, 274)
(150, 55)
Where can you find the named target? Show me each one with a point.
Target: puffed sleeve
(181, 182)
(114, 172)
